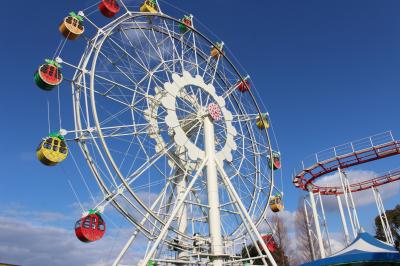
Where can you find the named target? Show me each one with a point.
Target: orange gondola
(216, 50)
(72, 26)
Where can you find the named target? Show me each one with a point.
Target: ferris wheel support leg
(317, 226)
(344, 223)
(174, 212)
(135, 233)
(245, 215)
(382, 216)
(182, 215)
(181, 188)
(214, 215)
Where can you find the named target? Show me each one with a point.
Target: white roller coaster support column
(214, 215)
(382, 216)
(353, 217)
(174, 212)
(344, 223)
(325, 223)
(309, 230)
(317, 226)
(353, 205)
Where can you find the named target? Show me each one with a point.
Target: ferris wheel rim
(135, 15)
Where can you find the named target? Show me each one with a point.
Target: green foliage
(393, 217)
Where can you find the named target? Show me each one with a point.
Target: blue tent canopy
(364, 249)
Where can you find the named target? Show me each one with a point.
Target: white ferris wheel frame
(79, 87)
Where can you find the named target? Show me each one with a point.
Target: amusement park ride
(337, 159)
(153, 96)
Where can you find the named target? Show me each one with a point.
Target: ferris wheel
(159, 110)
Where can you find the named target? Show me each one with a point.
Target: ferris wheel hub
(217, 110)
(214, 111)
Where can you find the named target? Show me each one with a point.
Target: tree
(281, 239)
(393, 217)
(304, 248)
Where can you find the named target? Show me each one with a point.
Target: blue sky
(326, 70)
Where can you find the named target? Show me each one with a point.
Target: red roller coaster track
(305, 178)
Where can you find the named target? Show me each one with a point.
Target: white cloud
(361, 198)
(337, 241)
(22, 242)
(287, 217)
(353, 175)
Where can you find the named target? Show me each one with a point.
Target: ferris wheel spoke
(119, 59)
(156, 50)
(123, 74)
(119, 85)
(187, 112)
(199, 130)
(174, 48)
(143, 66)
(245, 117)
(230, 90)
(164, 62)
(133, 47)
(173, 214)
(129, 60)
(255, 142)
(215, 70)
(132, 177)
(127, 76)
(142, 223)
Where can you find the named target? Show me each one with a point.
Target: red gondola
(275, 164)
(109, 8)
(186, 23)
(90, 228)
(244, 86)
(269, 242)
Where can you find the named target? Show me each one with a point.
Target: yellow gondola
(52, 150)
(149, 6)
(216, 50)
(276, 204)
(262, 122)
